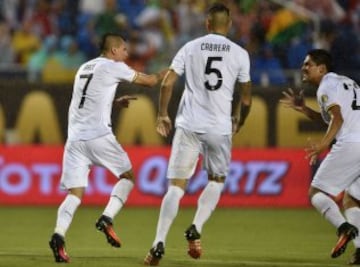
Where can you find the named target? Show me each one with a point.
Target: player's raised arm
(296, 101)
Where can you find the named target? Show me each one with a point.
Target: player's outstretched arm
(124, 101)
(149, 80)
(296, 101)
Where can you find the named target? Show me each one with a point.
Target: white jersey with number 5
(340, 90)
(93, 95)
(212, 65)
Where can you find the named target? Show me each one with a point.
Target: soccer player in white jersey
(91, 141)
(206, 119)
(339, 100)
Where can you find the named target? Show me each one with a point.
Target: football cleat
(105, 225)
(346, 232)
(57, 245)
(194, 243)
(154, 255)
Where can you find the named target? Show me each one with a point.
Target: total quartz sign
(29, 175)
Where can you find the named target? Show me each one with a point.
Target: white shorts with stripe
(79, 156)
(340, 170)
(186, 148)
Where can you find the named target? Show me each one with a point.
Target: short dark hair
(105, 40)
(218, 8)
(321, 56)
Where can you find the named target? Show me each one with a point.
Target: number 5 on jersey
(217, 72)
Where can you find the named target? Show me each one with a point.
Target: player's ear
(207, 24)
(230, 23)
(322, 69)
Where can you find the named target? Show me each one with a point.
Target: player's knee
(216, 178)
(312, 191)
(129, 175)
(77, 191)
(350, 202)
(179, 182)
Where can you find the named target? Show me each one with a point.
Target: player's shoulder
(90, 64)
(112, 65)
(330, 82)
(331, 76)
(331, 79)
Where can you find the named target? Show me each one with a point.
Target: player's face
(121, 52)
(311, 72)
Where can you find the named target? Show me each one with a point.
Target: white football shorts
(186, 148)
(79, 156)
(340, 170)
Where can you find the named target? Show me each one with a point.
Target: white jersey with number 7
(93, 95)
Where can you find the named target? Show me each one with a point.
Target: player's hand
(163, 125)
(313, 151)
(235, 124)
(124, 101)
(293, 100)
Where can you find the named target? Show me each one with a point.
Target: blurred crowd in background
(49, 39)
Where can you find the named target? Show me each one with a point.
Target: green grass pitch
(231, 238)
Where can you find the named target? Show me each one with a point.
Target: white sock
(328, 208)
(118, 197)
(206, 203)
(65, 213)
(168, 211)
(353, 216)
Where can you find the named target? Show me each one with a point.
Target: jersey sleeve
(244, 73)
(328, 93)
(178, 62)
(122, 71)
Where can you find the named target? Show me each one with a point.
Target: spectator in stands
(190, 21)
(330, 9)
(66, 12)
(44, 19)
(25, 42)
(16, 11)
(106, 20)
(140, 51)
(91, 7)
(297, 50)
(334, 37)
(167, 25)
(38, 59)
(61, 66)
(266, 68)
(86, 36)
(155, 22)
(69, 54)
(6, 50)
(131, 8)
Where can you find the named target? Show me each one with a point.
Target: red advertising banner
(29, 175)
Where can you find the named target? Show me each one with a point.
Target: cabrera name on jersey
(212, 65)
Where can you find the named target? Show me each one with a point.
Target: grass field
(232, 238)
